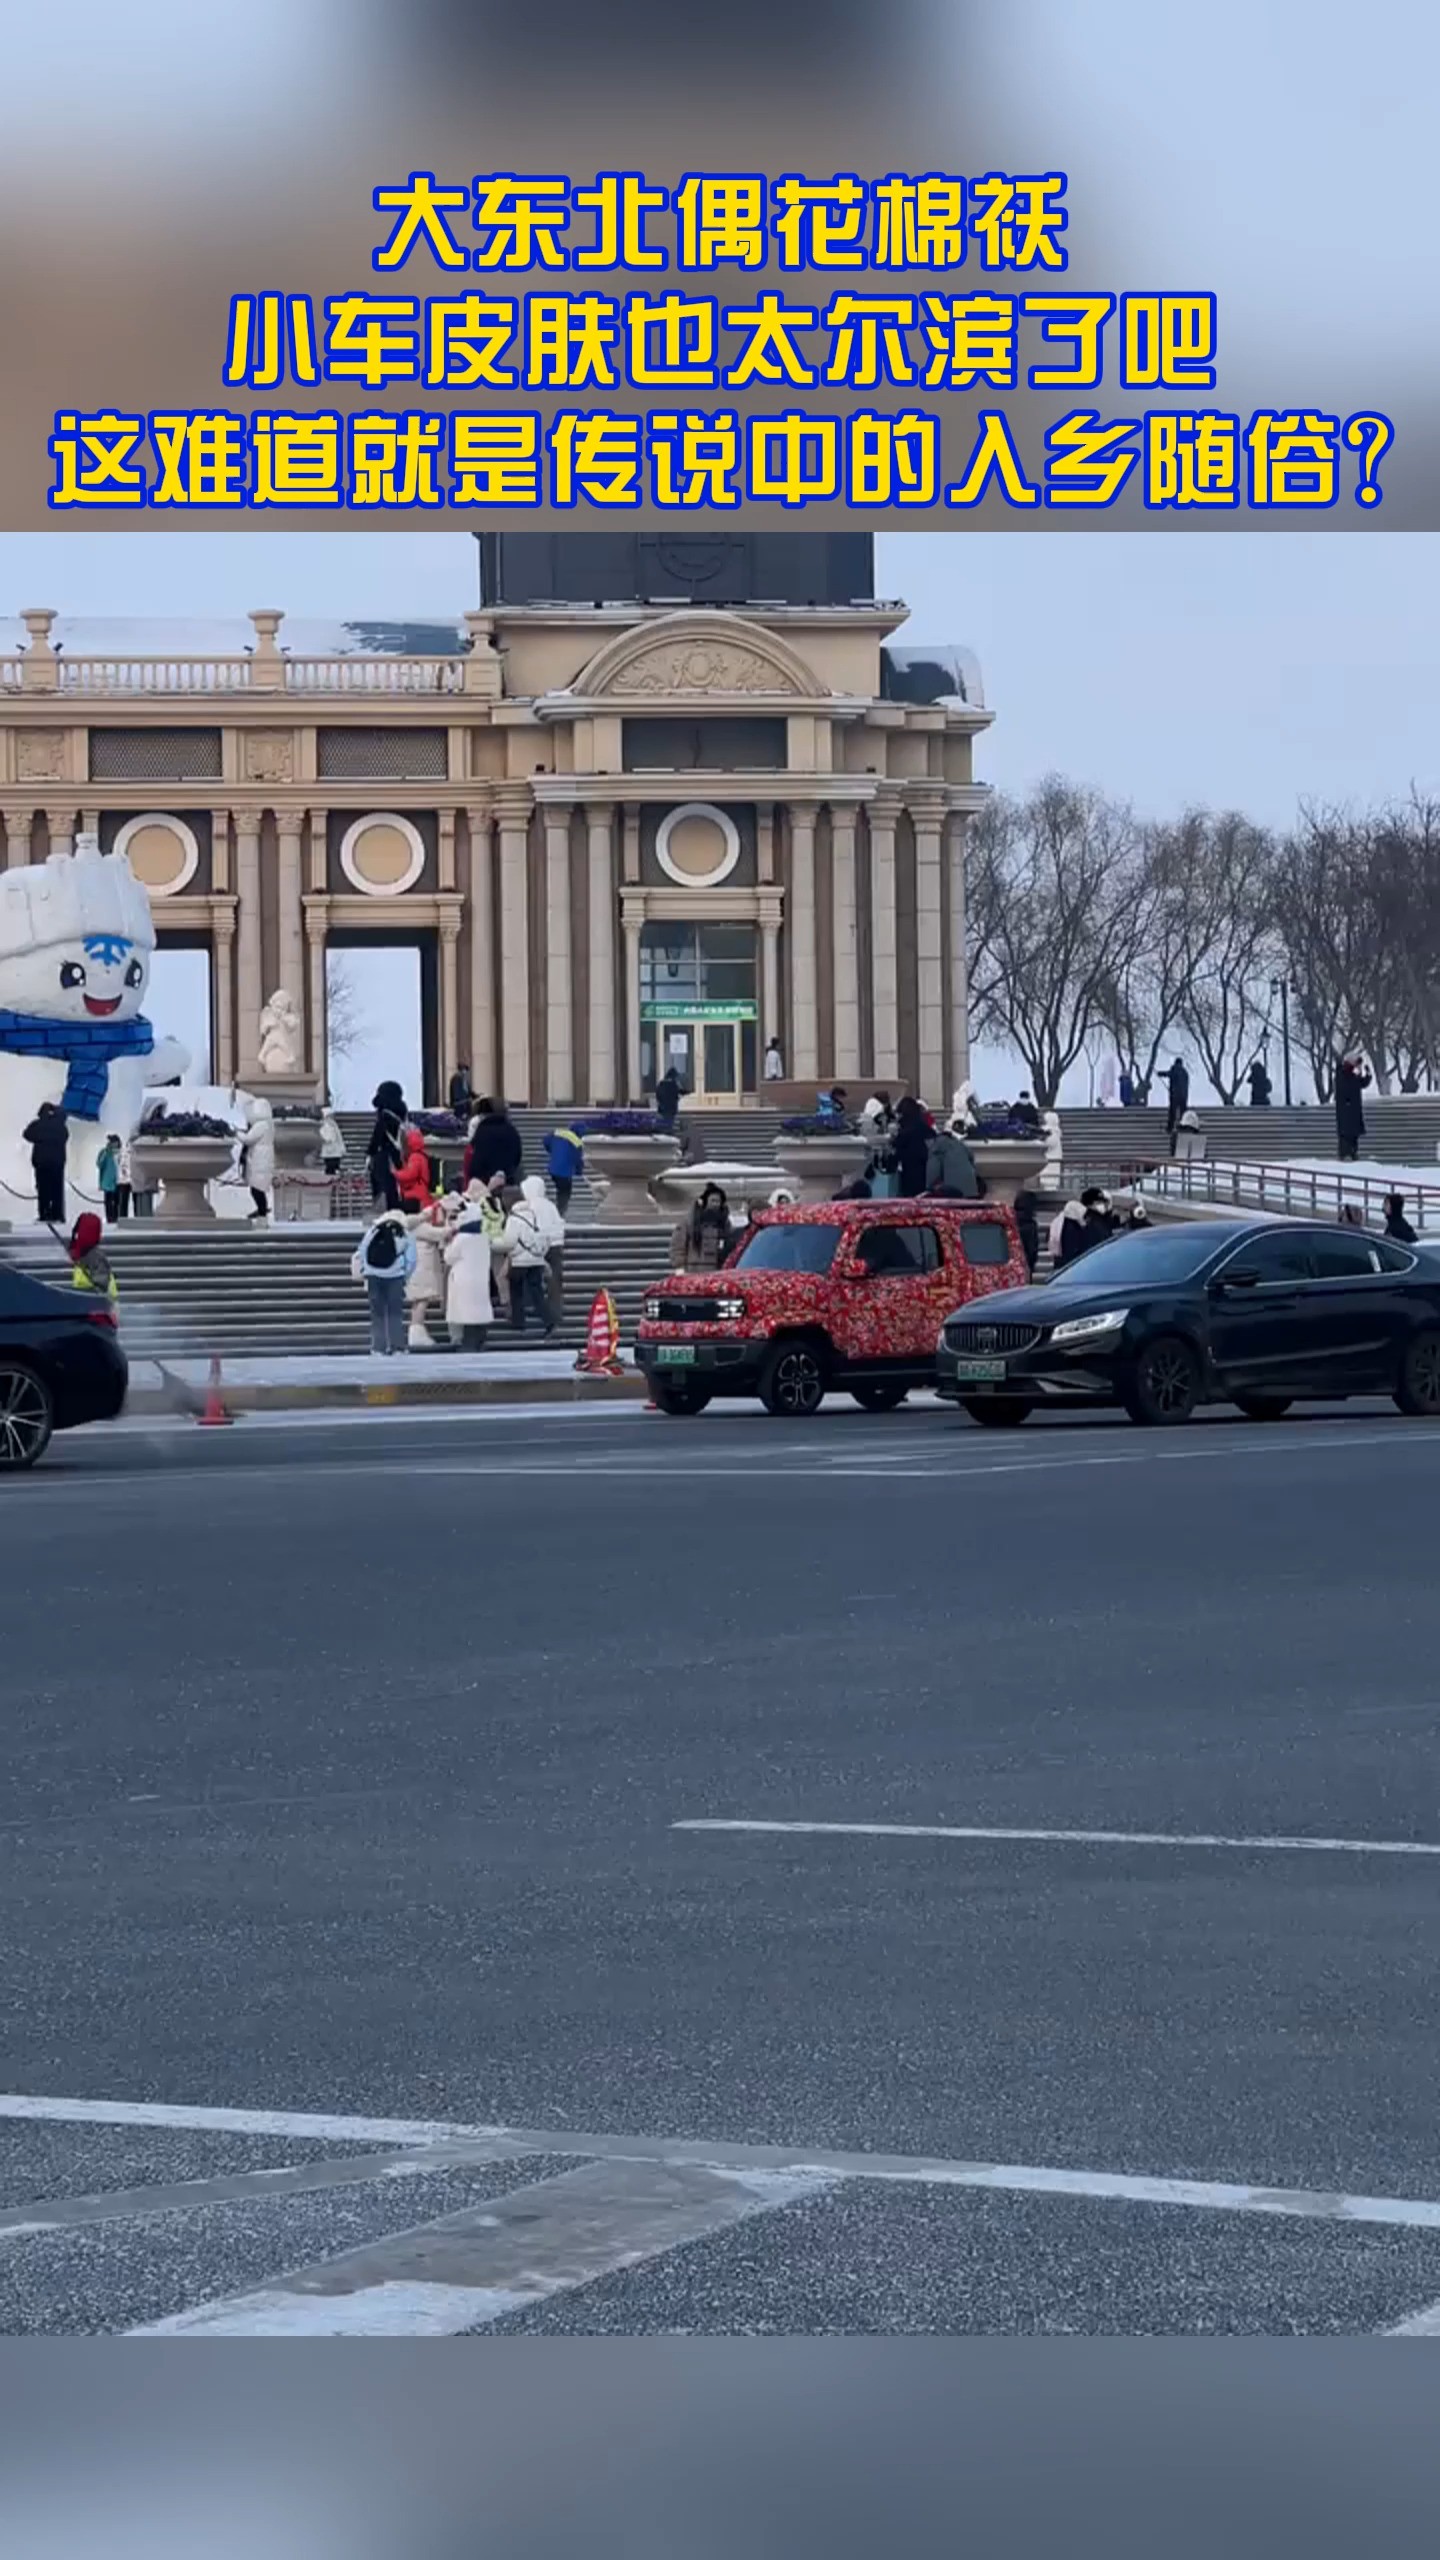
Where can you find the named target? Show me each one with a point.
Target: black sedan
(1259, 1316)
(60, 1364)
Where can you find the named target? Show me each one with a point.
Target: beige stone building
(657, 828)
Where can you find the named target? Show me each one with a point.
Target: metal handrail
(1291, 1190)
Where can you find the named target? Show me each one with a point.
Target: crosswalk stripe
(470, 2269)
(252, 2186)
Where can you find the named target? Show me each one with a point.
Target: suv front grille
(991, 1337)
(685, 1311)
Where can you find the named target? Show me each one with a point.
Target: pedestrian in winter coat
(910, 1151)
(774, 1061)
(950, 1167)
(107, 1167)
(565, 1162)
(468, 1302)
(1127, 1090)
(90, 1264)
(47, 1139)
(1028, 1225)
(412, 1180)
(385, 1261)
(1261, 1087)
(1397, 1225)
(332, 1144)
(1026, 1115)
(462, 1100)
(385, 1145)
(534, 1231)
(1351, 1083)
(257, 1157)
(495, 1146)
(1187, 1140)
(425, 1287)
(702, 1240)
(1177, 1085)
(1082, 1223)
(667, 1098)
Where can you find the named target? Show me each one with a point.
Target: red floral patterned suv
(852, 1294)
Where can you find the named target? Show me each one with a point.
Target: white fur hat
(72, 897)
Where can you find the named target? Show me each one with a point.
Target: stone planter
(816, 1168)
(1006, 1165)
(744, 1185)
(297, 1143)
(627, 1167)
(182, 1168)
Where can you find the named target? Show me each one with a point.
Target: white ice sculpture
(280, 1036)
(76, 941)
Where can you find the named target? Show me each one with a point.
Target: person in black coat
(1397, 1225)
(1261, 1087)
(47, 1138)
(909, 1154)
(1177, 1084)
(462, 1098)
(667, 1097)
(1029, 1226)
(1351, 1082)
(496, 1146)
(385, 1145)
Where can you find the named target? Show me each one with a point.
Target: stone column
(514, 816)
(250, 992)
(18, 823)
(559, 983)
(959, 956)
(884, 981)
(292, 922)
(222, 961)
(61, 823)
(928, 819)
(600, 823)
(449, 1000)
(482, 954)
(847, 945)
(635, 1090)
(319, 1007)
(769, 985)
(805, 1024)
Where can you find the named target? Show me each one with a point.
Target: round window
(697, 844)
(162, 852)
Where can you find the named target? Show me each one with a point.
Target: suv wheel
(879, 1395)
(679, 1395)
(1164, 1383)
(793, 1380)
(1419, 1390)
(27, 1416)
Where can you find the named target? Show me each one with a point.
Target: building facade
(658, 828)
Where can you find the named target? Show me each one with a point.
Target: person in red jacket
(412, 1179)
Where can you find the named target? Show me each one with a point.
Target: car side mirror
(1244, 1277)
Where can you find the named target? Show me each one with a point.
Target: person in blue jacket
(564, 1162)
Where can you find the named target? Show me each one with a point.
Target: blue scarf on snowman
(86, 1047)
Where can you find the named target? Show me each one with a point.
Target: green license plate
(675, 1355)
(984, 1372)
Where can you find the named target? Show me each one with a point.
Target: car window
(1273, 1259)
(1344, 1257)
(788, 1249)
(895, 1252)
(984, 1241)
(1391, 1257)
(1160, 1256)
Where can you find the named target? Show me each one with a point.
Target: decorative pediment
(696, 653)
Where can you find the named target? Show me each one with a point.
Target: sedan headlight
(729, 1310)
(1089, 1328)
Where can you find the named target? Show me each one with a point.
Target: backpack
(382, 1251)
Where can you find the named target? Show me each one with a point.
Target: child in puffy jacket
(564, 1162)
(412, 1178)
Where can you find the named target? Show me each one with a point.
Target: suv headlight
(1089, 1328)
(729, 1310)
(652, 1310)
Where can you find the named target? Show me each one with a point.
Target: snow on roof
(160, 637)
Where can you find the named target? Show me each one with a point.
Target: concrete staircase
(191, 1292)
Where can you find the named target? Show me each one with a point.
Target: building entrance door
(705, 1057)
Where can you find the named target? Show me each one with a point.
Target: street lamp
(1281, 987)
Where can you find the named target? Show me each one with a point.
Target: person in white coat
(426, 1287)
(534, 1233)
(468, 1306)
(260, 1157)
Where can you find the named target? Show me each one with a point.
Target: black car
(1256, 1315)
(60, 1364)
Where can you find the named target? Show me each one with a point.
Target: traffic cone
(215, 1408)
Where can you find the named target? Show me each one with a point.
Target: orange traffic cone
(215, 1406)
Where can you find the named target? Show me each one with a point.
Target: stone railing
(309, 676)
(374, 675)
(146, 675)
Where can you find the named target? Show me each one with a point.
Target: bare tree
(347, 1025)
(1051, 920)
(1357, 909)
(1220, 869)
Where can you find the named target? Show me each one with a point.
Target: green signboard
(685, 1011)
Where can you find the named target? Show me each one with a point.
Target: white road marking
(251, 2186)
(788, 2160)
(471, 2268)
(1421, 2324)
(1076, 1839)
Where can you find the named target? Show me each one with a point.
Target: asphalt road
(345, 1763)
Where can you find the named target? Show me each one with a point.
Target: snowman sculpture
(76, 942)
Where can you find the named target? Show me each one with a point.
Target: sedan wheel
(1164, 1384)
(1419, 1389)
(998, 1413)
(792, 1382)
(27, 1416)
(1264, 1408)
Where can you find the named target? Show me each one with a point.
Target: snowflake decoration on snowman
(76, 942)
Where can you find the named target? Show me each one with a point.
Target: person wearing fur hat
(425, 1287)
(1082, 1223)
(469, 1306)
(90, 1262)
